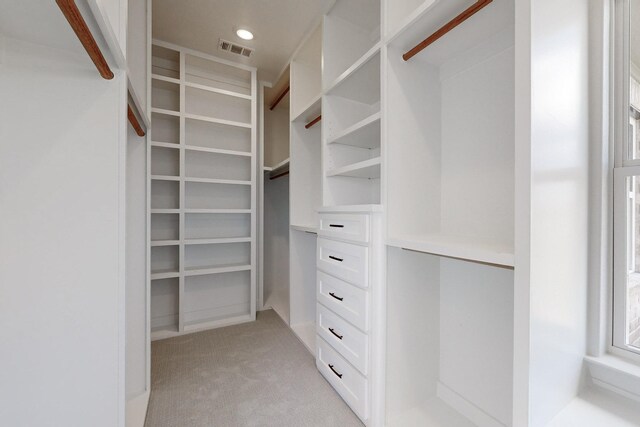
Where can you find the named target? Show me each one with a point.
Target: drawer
(345, 261)
(343, 337)
(344, 378)
(345, 226)
(346, 300)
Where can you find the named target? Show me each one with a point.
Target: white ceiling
(278, 27)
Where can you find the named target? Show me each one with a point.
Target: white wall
(61, 228)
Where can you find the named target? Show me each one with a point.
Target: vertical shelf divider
(181, 236)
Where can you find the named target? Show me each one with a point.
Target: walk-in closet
(320, 213)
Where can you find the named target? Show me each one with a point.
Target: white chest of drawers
(350, 312)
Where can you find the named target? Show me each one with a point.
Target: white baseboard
(137, 410)
(466, 408)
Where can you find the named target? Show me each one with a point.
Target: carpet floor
(254, 374)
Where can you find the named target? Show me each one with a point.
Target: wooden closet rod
(279, 98)
(134, 121)
(279, 175)
(468, 13)
(74, 17)
(313, 122)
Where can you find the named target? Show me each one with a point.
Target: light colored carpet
(254, 374)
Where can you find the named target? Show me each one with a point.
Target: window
(626, 273)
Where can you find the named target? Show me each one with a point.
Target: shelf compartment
(218, 181)
(217, 226)
(164, 259)
(164, 304)
(403, 13)
(216, 120)
(164, 178)
(165, 129)
(364, 134)
(165, 95)
(204, 195)
(165, 194)
(217, 150)
(361, 81)
(217, 106)
(464, 248)
(350, 29)
(164, 227)
(216, 90)
(366, 169)
(306, 73)
(217, 75)
(207, 256)
(165, 62)
(165, 161)
(217, 166)
(212, 135)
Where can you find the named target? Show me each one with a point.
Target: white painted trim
(137, 409)
(199, 54)
(466, 408)
(615, 374)
(106, 29)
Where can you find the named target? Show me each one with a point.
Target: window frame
(624, 166)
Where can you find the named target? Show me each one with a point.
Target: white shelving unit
(202, 178)
(305, 185)
(351, 104)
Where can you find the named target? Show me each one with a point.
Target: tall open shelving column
(305, 185)
(202, 197)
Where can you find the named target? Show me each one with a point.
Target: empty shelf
(155, 243)
(218, 211)
(217, 151)
(164, 274)
(201, 271)
(365, 169)
(165, 178)
(218, 241)
(464, 248)
(306, 228)
(218, 121)
(165, 211)
(164, 144)
(218, 181)
(364, 134)
(360, 63)
(216, 90)
(165, 112)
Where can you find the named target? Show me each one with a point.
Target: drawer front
(344, 378)
(344, 299)
(345, 226)
(343, 337)
(345, 261)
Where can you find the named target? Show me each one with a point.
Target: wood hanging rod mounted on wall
(468, 13)
(74, 17)
(313, 122)
(279, 175)
(134, 121)
(279, 98)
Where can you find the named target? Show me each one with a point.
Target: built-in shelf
(365, 169)
(362, 61)
(164, 144)
(217, 151)
(282, 164)
(156, 243)
(218, 181)
(464, 248)
(165, 79)
(216, 90)
(164, 274)
(305, 228)
(217, 121)
(165, 178)
(364, 134)
(201, 271)
(165, 211)
(218, 211)
(217, 241)
(366, 208)
(165, 112)
(311, 111)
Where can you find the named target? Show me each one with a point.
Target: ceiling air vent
(234, 48)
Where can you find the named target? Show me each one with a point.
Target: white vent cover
(235, 48)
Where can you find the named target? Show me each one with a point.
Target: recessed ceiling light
(244, 34)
